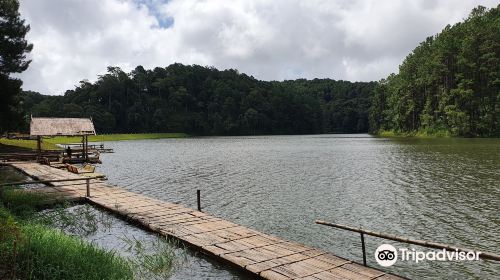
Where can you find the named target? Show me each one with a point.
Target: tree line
(449, 84)
(205, 101)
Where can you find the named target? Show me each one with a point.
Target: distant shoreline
(51, 143)
(423, 134)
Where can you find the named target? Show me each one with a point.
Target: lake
(444, 190)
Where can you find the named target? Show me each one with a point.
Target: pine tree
(13, 50)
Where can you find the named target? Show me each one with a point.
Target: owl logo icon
(386, 255)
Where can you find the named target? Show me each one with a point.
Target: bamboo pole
(47, 181)
(86, 148)
(483, 255)
(39, 146)
(87, 182)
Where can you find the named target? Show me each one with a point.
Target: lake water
(442, 190)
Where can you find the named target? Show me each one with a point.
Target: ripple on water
(446, 190)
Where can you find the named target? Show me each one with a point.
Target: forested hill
(205, 101)
(449, 84)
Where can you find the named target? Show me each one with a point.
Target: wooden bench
(44, 160)
(86, 169)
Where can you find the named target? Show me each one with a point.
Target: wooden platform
(262, 254)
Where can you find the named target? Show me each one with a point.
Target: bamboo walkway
(261, 254)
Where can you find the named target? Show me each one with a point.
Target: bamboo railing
(429, 244)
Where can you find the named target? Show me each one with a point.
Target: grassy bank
(49, 244)
(116, 137)
(419, 134)
(32, 250)
(50, 143)
(26, 144)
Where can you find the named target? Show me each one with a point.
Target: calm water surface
(444, 190)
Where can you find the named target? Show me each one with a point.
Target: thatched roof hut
(83, 127)
(61, 127)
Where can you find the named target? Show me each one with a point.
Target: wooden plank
(256, 255)
(324, 275)
(334, 261)
(348, 274)
(389, 277)
(281, 250)
(233, 246)
(267, 265)
(274, 275)
(259, 241)
(238, 259)
(205, 239)
(367, 271)
(298, 269)
(211, 226)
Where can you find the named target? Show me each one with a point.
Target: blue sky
(153, 8)
(356, 40)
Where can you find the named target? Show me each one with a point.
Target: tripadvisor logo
(387, 255)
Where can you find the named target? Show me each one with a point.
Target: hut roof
(61, 126)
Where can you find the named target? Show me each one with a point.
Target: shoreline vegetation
(425, 134)
(51, 244)
(415, 134)
(51, 143)
(30, 248)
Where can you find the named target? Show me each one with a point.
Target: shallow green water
(444, 190)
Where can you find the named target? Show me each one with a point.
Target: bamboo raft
(262, 255)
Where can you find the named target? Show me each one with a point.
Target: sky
(355, 40)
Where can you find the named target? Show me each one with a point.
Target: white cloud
(271, 40)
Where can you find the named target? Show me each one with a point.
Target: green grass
(21, 203)
(30, 247)
(34, 251)
(45, 253)
(31, 250)
(50, 143)
(28, 144)
(115, 137)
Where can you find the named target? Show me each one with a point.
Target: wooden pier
(265, 256)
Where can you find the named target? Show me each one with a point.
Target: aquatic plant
(155, 259)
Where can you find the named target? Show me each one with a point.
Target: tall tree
(13, 50)
(449, 84)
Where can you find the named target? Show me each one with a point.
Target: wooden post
(363, 248)
(88, 187)
(198, 199)
(86, 148)
(83, 146)
(39, 147)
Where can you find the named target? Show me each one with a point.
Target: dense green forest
(449, 84)
(205, 101)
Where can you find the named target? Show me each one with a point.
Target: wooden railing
(87, 181)
(362, 232)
